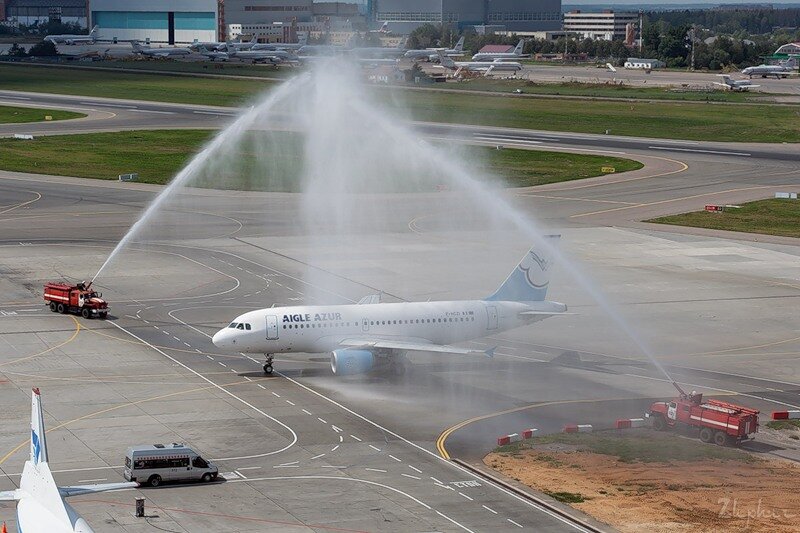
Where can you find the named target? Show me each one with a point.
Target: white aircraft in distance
(735, 85)
(159, 52)
(373, 334)
(74, 39)
(430, 54)
(231, 46)
(302, 40)
(486, 67)
(610, 67)
(40, 502)
(494, 56)
(213, 55)
(260, 56)
(783, 70)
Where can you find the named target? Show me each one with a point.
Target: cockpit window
(233, 325)
(247, 327)
(240, 326)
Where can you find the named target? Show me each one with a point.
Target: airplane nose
(219, 339)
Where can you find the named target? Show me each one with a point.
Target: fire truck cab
(80, 299)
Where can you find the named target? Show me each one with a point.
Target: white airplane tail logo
(459, 45)
(530, 279)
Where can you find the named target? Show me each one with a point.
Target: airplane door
(272, 327)
(492, 312)
(364, 324)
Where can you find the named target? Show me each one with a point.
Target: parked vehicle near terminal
(153, 464)
(720, 422)
(80, 299)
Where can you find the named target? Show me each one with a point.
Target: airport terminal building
(160, 21)
(404, 16)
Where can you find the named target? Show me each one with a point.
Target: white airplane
(213, 55)
(486, 67)
(610, 67)
(41, 507)
(74, 39)
(430, 54)
(373, 334)
(159, 52)
(785, 69)
(231, 46)
(260, 56)
(735, 85)
(494, 56)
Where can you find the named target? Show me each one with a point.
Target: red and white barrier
(578, 428)
(528, 433)
(508, 439)
(785, 415)
(627, 423)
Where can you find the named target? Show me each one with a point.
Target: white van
(152, 464)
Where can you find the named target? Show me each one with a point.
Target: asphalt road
(305, 451)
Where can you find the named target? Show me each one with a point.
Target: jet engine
(351, 362)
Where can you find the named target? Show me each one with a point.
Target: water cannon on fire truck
(79, 299)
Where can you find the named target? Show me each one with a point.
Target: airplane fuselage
(317, 329)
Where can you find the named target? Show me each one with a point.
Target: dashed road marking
(248, 379)
(464, 495)
(317, 456)
(276, 394)
(354, 437)
(376, 470)
(187, 344)
(490, 509)
(412, 477)
(321, 420)
(375, 448)
(250, 468)
(222, 364)
(335, 448)
(336, 429)
(395, 458)
(210, 357)
(341, 439)
(290, 402)
(515, 523)
(436, 481)
(415, 469)
(262, 386)
(306, 411)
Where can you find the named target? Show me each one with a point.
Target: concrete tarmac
(306, 451)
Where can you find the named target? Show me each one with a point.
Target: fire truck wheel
(85, 313)
(53, 307)
(659, 424)
(61, 309)
(720, 438)
(706, 435)
(103, 314)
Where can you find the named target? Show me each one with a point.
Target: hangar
(160, 21)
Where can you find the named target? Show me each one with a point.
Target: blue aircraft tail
(530, 279)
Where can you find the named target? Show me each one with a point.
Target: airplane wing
(416, 345)
(8, 496)
(90, 489)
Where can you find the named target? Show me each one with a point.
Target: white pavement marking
(443, 461)
(341, 439)
(262, 386)
(152, 111)
(250, 468)
(286, 466)
(290, 402)
(335, 448)
(436, 481)
(187, 344)
(248, 379)
(321, 420)
(515, 523)
(276, 394)
(453, 521)
(376, 470)
(198, 351)
(317, 456)
(395, 458)
(415, 469)
(92, 480)
(412, 477)
(221, 364)
(354, 437)
(306, 411)
(696, 150)
(489, 509)
(289, 463)
(464, 495)
(223, 390)
(336, 429)
(239, 474)
(375, 448)
(210, 357)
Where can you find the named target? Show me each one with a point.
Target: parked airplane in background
(74, 39)
(431, 54)
(302, 40)
(784, 70)
(259, 56)
(486, 67)
(40, 502)
(372, 334)
(213, 55)
(231, 46)
(208, 45)
(494, 56)
(610, 67)
(380, 52)
(735, 85)
(159, 52)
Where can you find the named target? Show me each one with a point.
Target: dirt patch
(706, 494)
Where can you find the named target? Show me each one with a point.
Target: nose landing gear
(268, 365)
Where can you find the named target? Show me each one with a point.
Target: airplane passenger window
(371, 323)
(284, 326)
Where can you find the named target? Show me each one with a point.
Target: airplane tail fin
(790, 63)
(38, 440)
(445, 61)
(530, 279)
(518, 48)
(94, 30)
(459, 45)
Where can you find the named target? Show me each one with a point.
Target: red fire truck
(720, 422)
(79, 299)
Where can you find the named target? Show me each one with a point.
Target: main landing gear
(268, 365)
